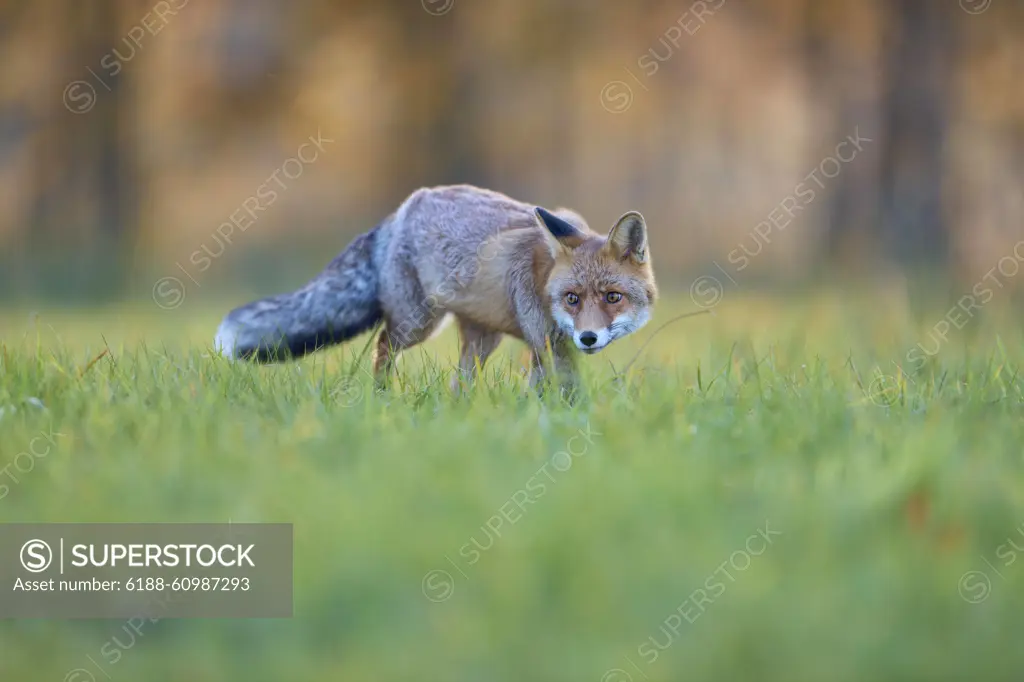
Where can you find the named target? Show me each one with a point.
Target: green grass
(878, 501)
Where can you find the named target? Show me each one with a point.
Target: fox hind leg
(477, 344)
(413, 330)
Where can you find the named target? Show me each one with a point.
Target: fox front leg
(563, 366)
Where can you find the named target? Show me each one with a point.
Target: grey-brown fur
(473, 253)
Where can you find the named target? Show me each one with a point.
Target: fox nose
(588, 339)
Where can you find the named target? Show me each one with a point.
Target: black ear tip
(558, 227)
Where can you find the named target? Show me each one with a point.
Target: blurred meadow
(819, 480)
(762, 494)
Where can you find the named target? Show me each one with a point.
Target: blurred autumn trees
(130, 130)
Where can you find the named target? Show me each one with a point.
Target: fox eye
(571, 298)
(613, 297)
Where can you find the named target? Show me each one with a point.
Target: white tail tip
(226, 341)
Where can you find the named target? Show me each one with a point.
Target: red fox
(499, 266)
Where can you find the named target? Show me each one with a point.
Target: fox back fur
(498, 265)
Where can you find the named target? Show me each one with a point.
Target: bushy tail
(338, 304)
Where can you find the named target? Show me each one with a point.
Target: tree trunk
(915, 115)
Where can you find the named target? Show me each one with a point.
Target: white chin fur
(643, 318)
(624, 325)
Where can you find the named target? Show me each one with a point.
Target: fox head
(599, 288)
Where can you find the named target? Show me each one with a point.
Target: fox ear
(561, 235)
(628, 239)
